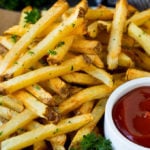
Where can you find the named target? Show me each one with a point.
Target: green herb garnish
(60, 44)
(32, 16)
(14, 38)
(52, 52)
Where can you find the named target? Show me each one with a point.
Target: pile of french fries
(57, 74)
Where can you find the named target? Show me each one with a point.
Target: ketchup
(131, 115)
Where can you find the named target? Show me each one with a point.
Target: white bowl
(120, 142)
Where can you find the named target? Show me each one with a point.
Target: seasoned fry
(139, 18)
(100, 74)
(140, 36)
(41, 145)
(58, 54)
(136, 73)
(86, 46)
(36, 106)
(11, 102)
(41, 94)
(98, 109)
(80, 78)
(49, 42)
(102, 13)
(114, 45)
(50, 130)
(16, 122)
(38, 27)
(42, 74)
(85, 95)
(7, 113)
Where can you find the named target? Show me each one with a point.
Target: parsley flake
(31, 52)
(1, 132)
(14, 38)
(52, 52)
(60, 44)
(32, 16)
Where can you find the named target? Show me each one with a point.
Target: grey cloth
(139, 4)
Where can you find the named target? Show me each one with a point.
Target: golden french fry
(58, 86)
(86, 46)
(42, 74)
(136, 73)
(100, 74)
(125, 61)
(85, 95)
(36, 106)
(103, 25)
(139, 18)
(101, 13)
(57, 55)
(11, 102)
(97, 113)
(41, 94)
(50, 130)
(140, 36)
(80, 78)
(20, 47)
(114, 45)
(16, 122)
(7, 113)
(41, 145)
(92, 29)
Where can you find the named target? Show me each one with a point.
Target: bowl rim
(113, 98)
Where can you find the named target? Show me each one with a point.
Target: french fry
(96, 60)
(58, 86)
(139, 18)
(85, 95)
(58, 54)
(140, 36)
(20, 47)
(80, 78)
(125, 61)
(41, 145)
(49, 42)
(36, 106)
(42, 74)
(41, 133)
(103, 25)
(98, 109)
(136, 73)
(92, 29)
(100, 74)
(41, 94)
(114, 45)
(11, 103)
(16, 122)
(101, 13)
(86, 46)
(85, 108)
(7, 113)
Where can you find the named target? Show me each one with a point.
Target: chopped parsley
(14, 38)
(73, 25)
(37, 87)
(52, 52)
(1, 132)
(71, 68)
(56, 131)
(32, 16)
(93, 142)
(31, 52)
(60, 44)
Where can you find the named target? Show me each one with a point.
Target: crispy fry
(16, 122)
(25, 40)
(114, 45)
(41, 94)
(136, 73)
(36, 106)
(11, 102)
(140, 36)
(100, 74)
(60, 51)
(88, 94)
(42, 74)
(80, 78)
(49, 42)
(98, 109)
(50, 130)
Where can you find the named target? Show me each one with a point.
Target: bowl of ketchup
(127, 116)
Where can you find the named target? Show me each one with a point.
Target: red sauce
(131, 115)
